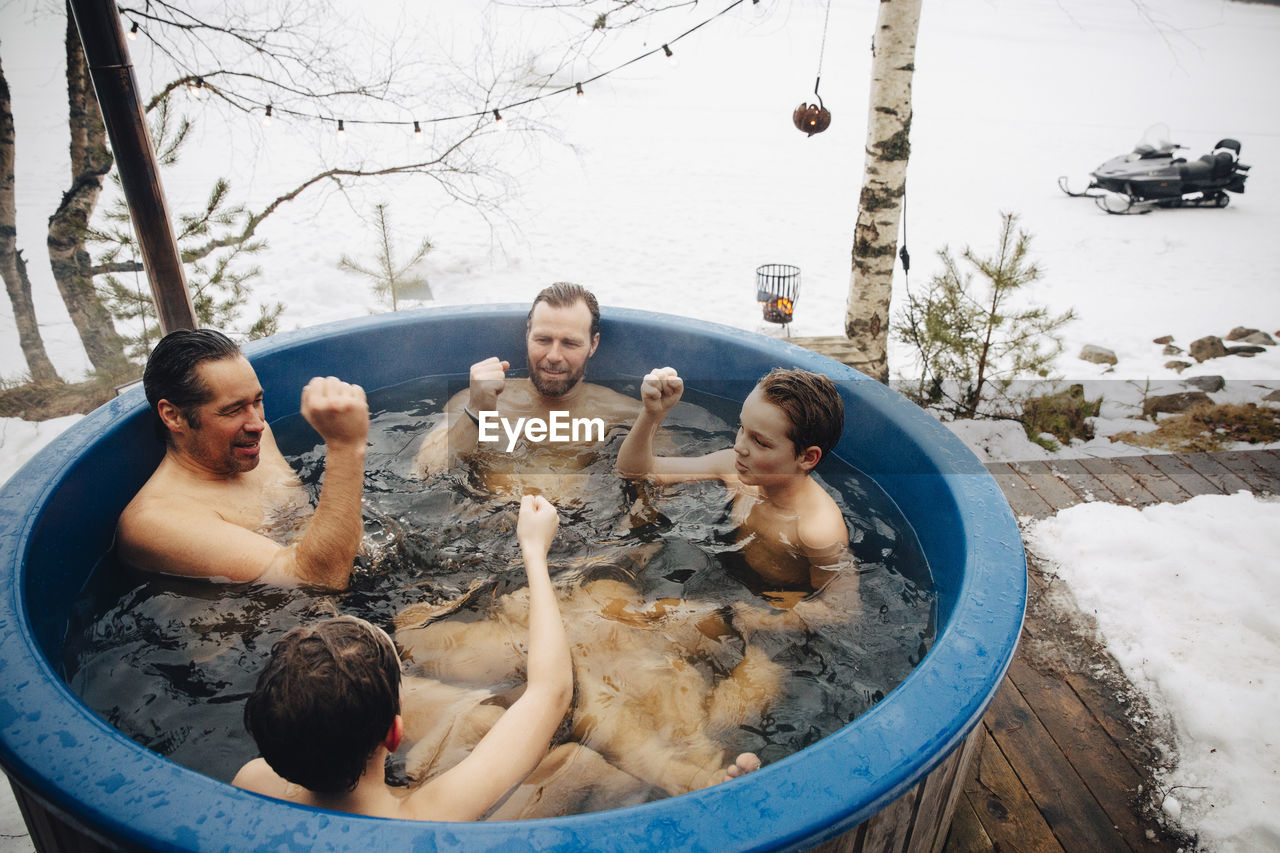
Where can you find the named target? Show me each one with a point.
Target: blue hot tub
(888, 774)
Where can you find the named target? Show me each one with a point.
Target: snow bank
(1185, 596)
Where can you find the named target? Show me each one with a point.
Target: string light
(197, 89)
(133, 32)
(342, 132)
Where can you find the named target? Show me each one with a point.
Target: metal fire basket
(777, 289)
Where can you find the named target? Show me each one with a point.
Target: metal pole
(98, 22)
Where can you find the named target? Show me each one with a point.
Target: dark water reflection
(169, 662)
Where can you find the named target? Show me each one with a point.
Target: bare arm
(180, 536)
(325, 552)
(522, 735)
(659, 393)
(457, 435)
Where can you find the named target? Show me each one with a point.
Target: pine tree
(971, 342)
(389, 279)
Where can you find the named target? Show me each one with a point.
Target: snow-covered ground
(1185, 596)
(676, 181)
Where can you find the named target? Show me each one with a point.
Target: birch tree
(875, 236)
(69, 260)
(12, 266)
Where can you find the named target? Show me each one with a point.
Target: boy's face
(765, 453)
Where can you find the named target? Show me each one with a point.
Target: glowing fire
(778, 307)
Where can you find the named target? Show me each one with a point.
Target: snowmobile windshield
(1154, 141)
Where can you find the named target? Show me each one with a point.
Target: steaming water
(170, 662)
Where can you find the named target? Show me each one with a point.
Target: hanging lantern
(812, 118)
(815, 118)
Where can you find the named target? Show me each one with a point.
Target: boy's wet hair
(565, 294)
(171, 374)
(814, 410)
(324, 702)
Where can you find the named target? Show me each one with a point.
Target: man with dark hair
(223, 480)
(793, 535)
(561, 335)
(326, 710)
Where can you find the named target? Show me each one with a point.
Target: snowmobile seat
(1230, 144)
(1223, 161)
(1197, 170)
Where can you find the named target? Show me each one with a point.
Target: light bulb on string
(133, 32)
(196, 88)
(498, 120)
(266, 117)
(582, 96)
(418, 136)
(342, 132)
(671, 57)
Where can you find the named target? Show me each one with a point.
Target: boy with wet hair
(792, 533)
(326, 710)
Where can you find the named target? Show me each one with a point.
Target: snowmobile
(1151, 176)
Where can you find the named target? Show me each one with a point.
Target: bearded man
(561, 335)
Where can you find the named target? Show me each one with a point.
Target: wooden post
(98, 23)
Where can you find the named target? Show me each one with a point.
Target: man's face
(765, 453)
(559, 343)
(225, 433)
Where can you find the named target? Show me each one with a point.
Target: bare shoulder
(612, 404)
(257, 776)
(458, 400)
(822, 524)
(158, 504)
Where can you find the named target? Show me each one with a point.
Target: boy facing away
(792, 533)
(326, 710)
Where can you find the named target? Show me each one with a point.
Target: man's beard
(557, 386)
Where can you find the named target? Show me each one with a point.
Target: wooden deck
(1061, 767)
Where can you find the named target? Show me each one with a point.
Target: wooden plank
(1023, 500)
(938, 801)
(1046, 484)
(967, 834)
(887, 829)
(1083, 483)
(1180, 471)
(1119, 481)
(1246, 464)
(1204, 464)
(835, 347)
(1113, 715)
(1105, 770)
(1065, 802)
(1268, 460)
(850, 842)
(1005, 809)
(1159, 484)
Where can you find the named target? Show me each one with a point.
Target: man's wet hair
(324, 702)
(565, 294)
(171, 374)
(814, 410)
